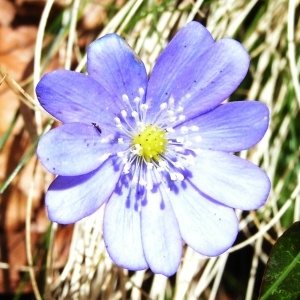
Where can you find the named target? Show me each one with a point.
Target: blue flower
(157, 153)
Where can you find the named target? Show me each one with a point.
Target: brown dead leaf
(17, 49)
(7, 12)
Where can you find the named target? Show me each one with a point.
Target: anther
(198, 138)
(195, 128)
(137, 100)
(141, 92)
(179, 176)
(163, 106)
(162, 164)
(171, 101)
(117, 120)
(184, 129)
(127, 168)
(170, 113)
(173, 176)
(135, 115)
(125, 98)
(144, 107)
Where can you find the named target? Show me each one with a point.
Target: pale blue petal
(230, 127)
(207, 227)
(230, 180)
(116, 67)
(71, 198)
(206, 80)
(180, 54)
(160, 233)
(122, 230)
(74, 97)
(76, 149)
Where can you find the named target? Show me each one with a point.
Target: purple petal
(230, 180)
(160, 234)
(122, 232)
(206, 81)
(74, 97)
(183, 50)
(230, 127)
(75, 149)
(116, 67)
(69, 199)
(207, 227)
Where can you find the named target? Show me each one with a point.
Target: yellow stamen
(150, 143)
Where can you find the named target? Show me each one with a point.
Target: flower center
(150, 143)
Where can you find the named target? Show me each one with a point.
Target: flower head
(157, 152)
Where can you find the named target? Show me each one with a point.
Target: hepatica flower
(157, 153)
